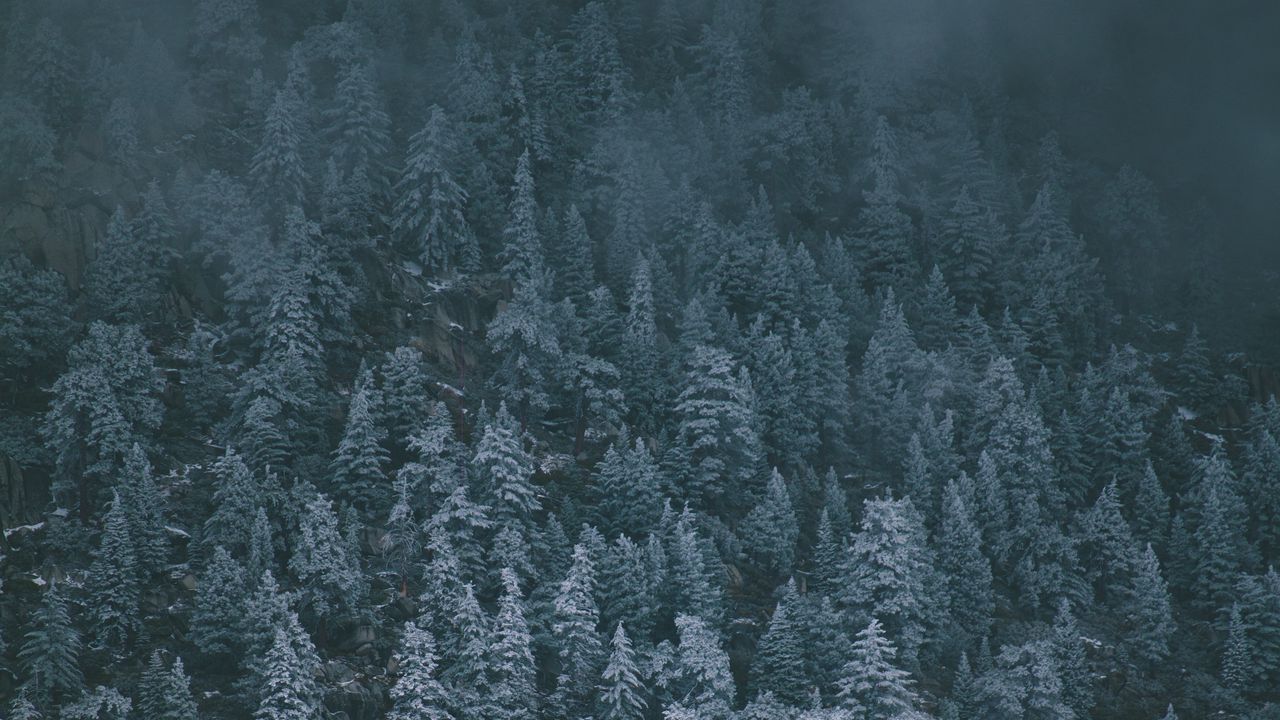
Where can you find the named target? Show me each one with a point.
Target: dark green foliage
(429, 360)
(50, 650)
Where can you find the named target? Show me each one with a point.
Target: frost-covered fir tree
(104, 403)
(126, 278)
(359, 477)
(278, 167)
(779, 663)
(575, 619)
(328, 574)
(357, 124)
(888, 575)
(164, 693)
(1148, 609)
(522, 254)
(50, 650)
(504, 470)
(702, 682)
(717, 428)
(967, 570)
(1237, 661)
(511, 667)
(288, 693)
(428, 214)
(641, 381)
(627, 490)
(114, 577)
(621, 692)
(770, 530)
(144, 508)
(220, 599)
(523, 337)
(418, 694)
(871, 685)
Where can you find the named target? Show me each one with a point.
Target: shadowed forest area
(626, 360)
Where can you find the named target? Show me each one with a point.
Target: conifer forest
(639, 360)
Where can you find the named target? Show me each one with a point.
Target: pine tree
(101, 703)
(1148, 610)
(576, 618)
(938, 316)
(278, 168)
(287, 692)
(35, 323)
(165, 693)
(21, 707)
(114, 577)
(1107, 548)
(967, 252)
(1024, 683)
(50, 651)
(629, 587)
(787, 435)
(521, 254)
(504, 469)
(716, 424)
(1237, 661)
(1259, 600)
(1261, 482)
(103, 404)
(144, 508)
(627, 491)
(1194, 373)
(523, 337)
(1151, 509)
(770, 530)
(221, 596)
(403, 393)
(778, 666)
(235, 500)
(574, 261)
(358, 475)
(357, 124)
(692, 584)
(1217, 540)
(885, 240)
(639, 359)
(418, 694)
(702, 666)
(621, 691)
(429, 203)
(1067, 648)
(890, 369)
(328, 574)
(828, 555)
(888, 573)
(967, 570)
(512, 670)
(126, 278)
(870, 684)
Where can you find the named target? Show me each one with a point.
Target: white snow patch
(23, 528)
(1186, 414)
(455, 326)
(412, 268)
(451, 389)
(177, 531)
(38, 581)
(436, 287)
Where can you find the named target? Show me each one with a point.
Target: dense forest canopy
(687, 359)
